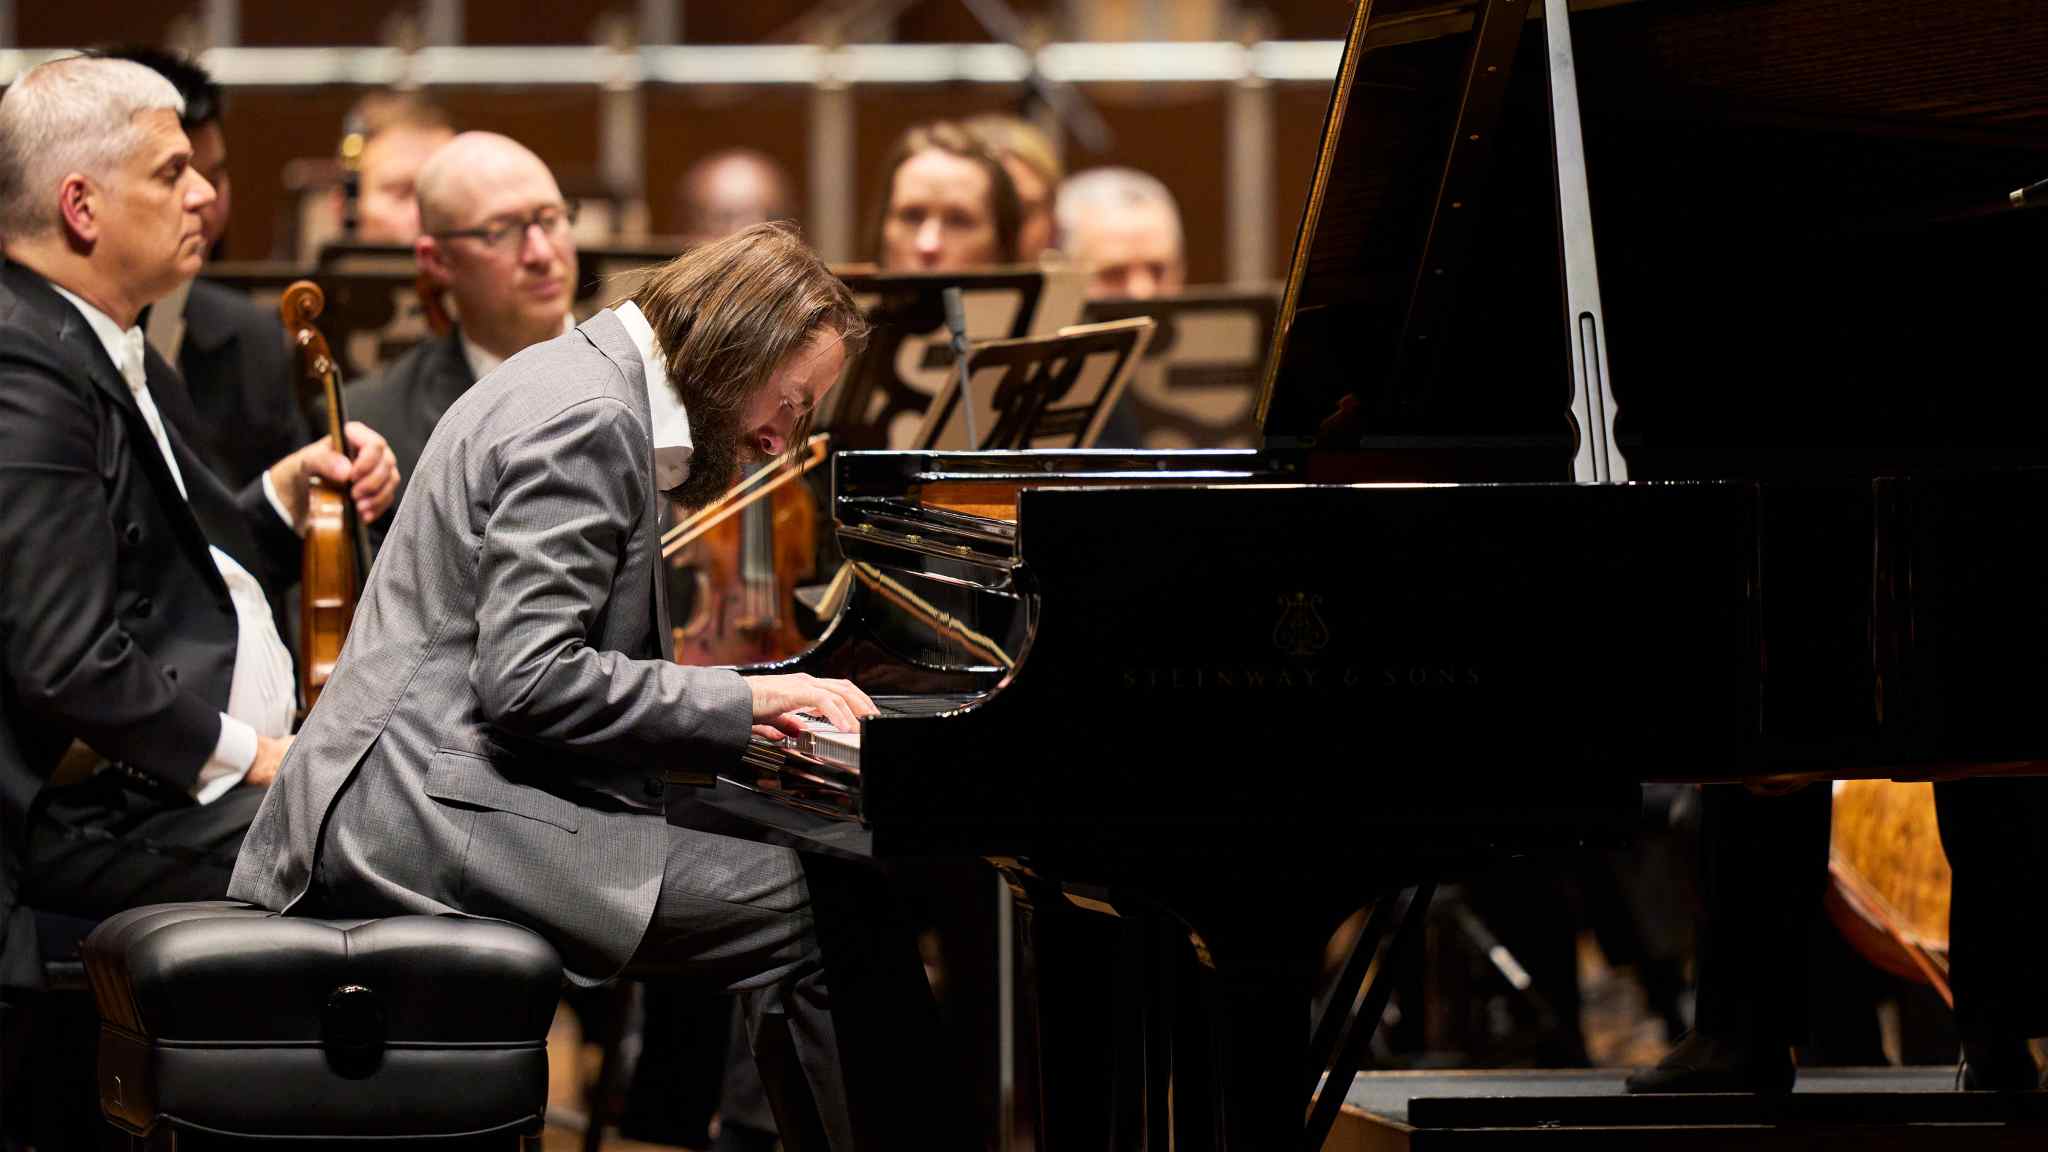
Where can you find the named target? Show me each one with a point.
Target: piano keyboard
(821, 741)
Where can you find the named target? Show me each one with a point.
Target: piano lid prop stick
(2034, 195)
(956, 323)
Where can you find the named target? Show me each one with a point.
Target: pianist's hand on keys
(777, 697)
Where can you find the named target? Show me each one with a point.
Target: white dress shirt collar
(671, 425)
(124, 348)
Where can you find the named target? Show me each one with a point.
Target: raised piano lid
(1799, 243)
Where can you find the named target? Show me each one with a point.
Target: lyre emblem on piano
(1301, 631)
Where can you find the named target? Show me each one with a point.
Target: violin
(746, 553)
(337, 553)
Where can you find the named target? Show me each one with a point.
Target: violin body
(746, 569)
(329, 581)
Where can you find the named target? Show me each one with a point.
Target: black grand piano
(1657, 395)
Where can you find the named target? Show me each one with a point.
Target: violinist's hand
(270, 752)
(776, 697)
(372, 476)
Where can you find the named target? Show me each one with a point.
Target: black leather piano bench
(226, 1025)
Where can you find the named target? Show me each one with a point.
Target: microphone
(956, 317)
(2034, 195)
(956, 323)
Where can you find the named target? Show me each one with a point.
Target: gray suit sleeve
(567, 501)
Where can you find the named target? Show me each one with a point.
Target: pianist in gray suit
(496, 737)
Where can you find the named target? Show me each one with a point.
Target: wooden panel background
(1177, 132)
(273, 24)
(81, 23)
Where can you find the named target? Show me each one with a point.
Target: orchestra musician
(1123, 228)
(948, 204)
(497, 239)
(145, 699)
(497, 737)
(730, 190)
(399, 131)
(1034, 168)
(231, 354)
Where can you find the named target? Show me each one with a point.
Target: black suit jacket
(116, 628)
(405, 401)
(237, 369)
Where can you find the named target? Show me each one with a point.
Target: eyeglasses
(554, 221)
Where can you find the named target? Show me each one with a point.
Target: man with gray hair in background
(1123, 228)
(145, 698)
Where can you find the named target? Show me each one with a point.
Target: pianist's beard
(718, 455)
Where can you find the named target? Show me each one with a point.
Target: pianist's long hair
(727, 313)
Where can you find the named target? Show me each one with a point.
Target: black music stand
(909, 358)
(352, 257)
(372, 316)
(372, 319)
(1043, 392)
(1198, 384)
(263, 281)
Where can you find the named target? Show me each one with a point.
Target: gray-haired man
(139, 667)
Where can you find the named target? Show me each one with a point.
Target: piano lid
(1793, 202)
(1392, 193)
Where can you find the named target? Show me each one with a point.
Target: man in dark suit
(231, 352)
(145, 698)
(495, 237)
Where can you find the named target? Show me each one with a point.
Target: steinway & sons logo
(1301, 636)
(1301, 631)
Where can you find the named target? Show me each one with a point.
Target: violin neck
(337, 419)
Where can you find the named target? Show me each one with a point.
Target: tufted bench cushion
(222, 1018)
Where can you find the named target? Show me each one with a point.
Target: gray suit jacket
(502, 715)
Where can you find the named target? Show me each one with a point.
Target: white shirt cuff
(283, 513)
(232, 758)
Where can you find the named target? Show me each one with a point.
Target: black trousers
(1764, 869)
(112, 842)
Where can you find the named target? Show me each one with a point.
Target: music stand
(262, 281)
(1039, 392)
(909, 359)
(350, 257)
(1198, 383)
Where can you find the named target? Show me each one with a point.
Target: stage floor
(1862, 1108)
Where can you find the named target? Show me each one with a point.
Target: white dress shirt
(260, 695)
(672, 447)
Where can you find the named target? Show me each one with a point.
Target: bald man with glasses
(496, 239)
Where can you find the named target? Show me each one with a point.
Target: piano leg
(1265, 1056)
(1351, 1038)
(1071, 965)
